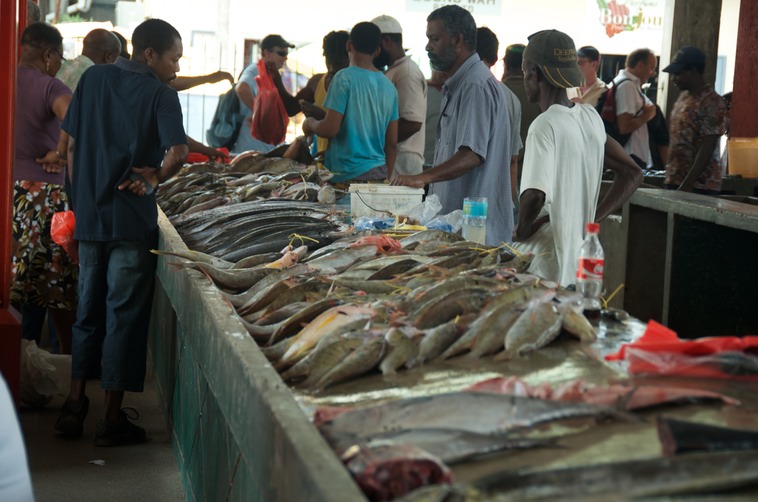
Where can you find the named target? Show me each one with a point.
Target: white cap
(387, 24)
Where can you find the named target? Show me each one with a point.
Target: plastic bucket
(377, 200)
(743, 157)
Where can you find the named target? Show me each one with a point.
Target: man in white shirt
(633, 109)
(563, 162)
(411, 87)
(588, 59)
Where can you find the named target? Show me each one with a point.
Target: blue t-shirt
(368, 102)
(121, 116)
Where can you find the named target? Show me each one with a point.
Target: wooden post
(10, 321)
(689, 23)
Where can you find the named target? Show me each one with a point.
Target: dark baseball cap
(555, 53)
(686, 56)
(275, 41)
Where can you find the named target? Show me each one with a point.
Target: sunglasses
(283, 54)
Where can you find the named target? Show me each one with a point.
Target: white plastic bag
(43, 375)
(424, 212)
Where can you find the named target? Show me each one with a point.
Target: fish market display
(328, 305)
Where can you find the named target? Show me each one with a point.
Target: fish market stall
(279, 368)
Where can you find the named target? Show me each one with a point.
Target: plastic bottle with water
(589, 273)
(475, 219)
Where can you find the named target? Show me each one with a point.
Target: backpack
(606, 107)
(226, 122)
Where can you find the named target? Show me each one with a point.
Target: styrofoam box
(374, 199)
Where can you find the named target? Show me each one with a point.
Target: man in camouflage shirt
(697, 122)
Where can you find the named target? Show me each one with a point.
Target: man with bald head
(100, 47)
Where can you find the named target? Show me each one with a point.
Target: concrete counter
(691, 262)
(237, 430)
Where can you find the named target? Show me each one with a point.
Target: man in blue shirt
(127, 136)
(473, 148)
(361, 114)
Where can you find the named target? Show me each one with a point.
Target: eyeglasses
(59, 53)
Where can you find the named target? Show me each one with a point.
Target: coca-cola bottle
(589, 273)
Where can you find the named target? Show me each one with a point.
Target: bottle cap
(592, 228)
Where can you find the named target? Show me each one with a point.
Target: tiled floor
(75, 470)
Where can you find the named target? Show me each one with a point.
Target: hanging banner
(476, 7)
(619, 16)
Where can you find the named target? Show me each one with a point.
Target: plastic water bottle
(475, 219)
(589, 273)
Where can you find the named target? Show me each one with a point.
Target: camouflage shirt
(694, 117)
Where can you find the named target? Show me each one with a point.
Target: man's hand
(222, 75)
(308, 124)
(413, 181)
(311, 110)
(143, 183)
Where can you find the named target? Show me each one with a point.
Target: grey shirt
(474, 114)
(514, 113)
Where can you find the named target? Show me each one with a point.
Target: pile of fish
(369, 302)
(243, 230)
(249, 176)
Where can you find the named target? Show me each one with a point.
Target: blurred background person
(588, 59)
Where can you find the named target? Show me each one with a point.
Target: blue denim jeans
(116, 281)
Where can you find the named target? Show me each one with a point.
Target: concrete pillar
(689, 23)
(745, 92)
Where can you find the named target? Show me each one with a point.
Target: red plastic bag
(660, 352)
(269, 115)
(62, 231)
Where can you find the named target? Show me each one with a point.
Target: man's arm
(530, 204)
(627, 177)
(627, 96)
(245, 93)
(292, 103)
(173, 160)
(184, 83)
(328, 127)
(703, 156)
(459, 164)
(628, 123)
(197, 147)
(406, 129)
(514, 178)
(390, 147)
